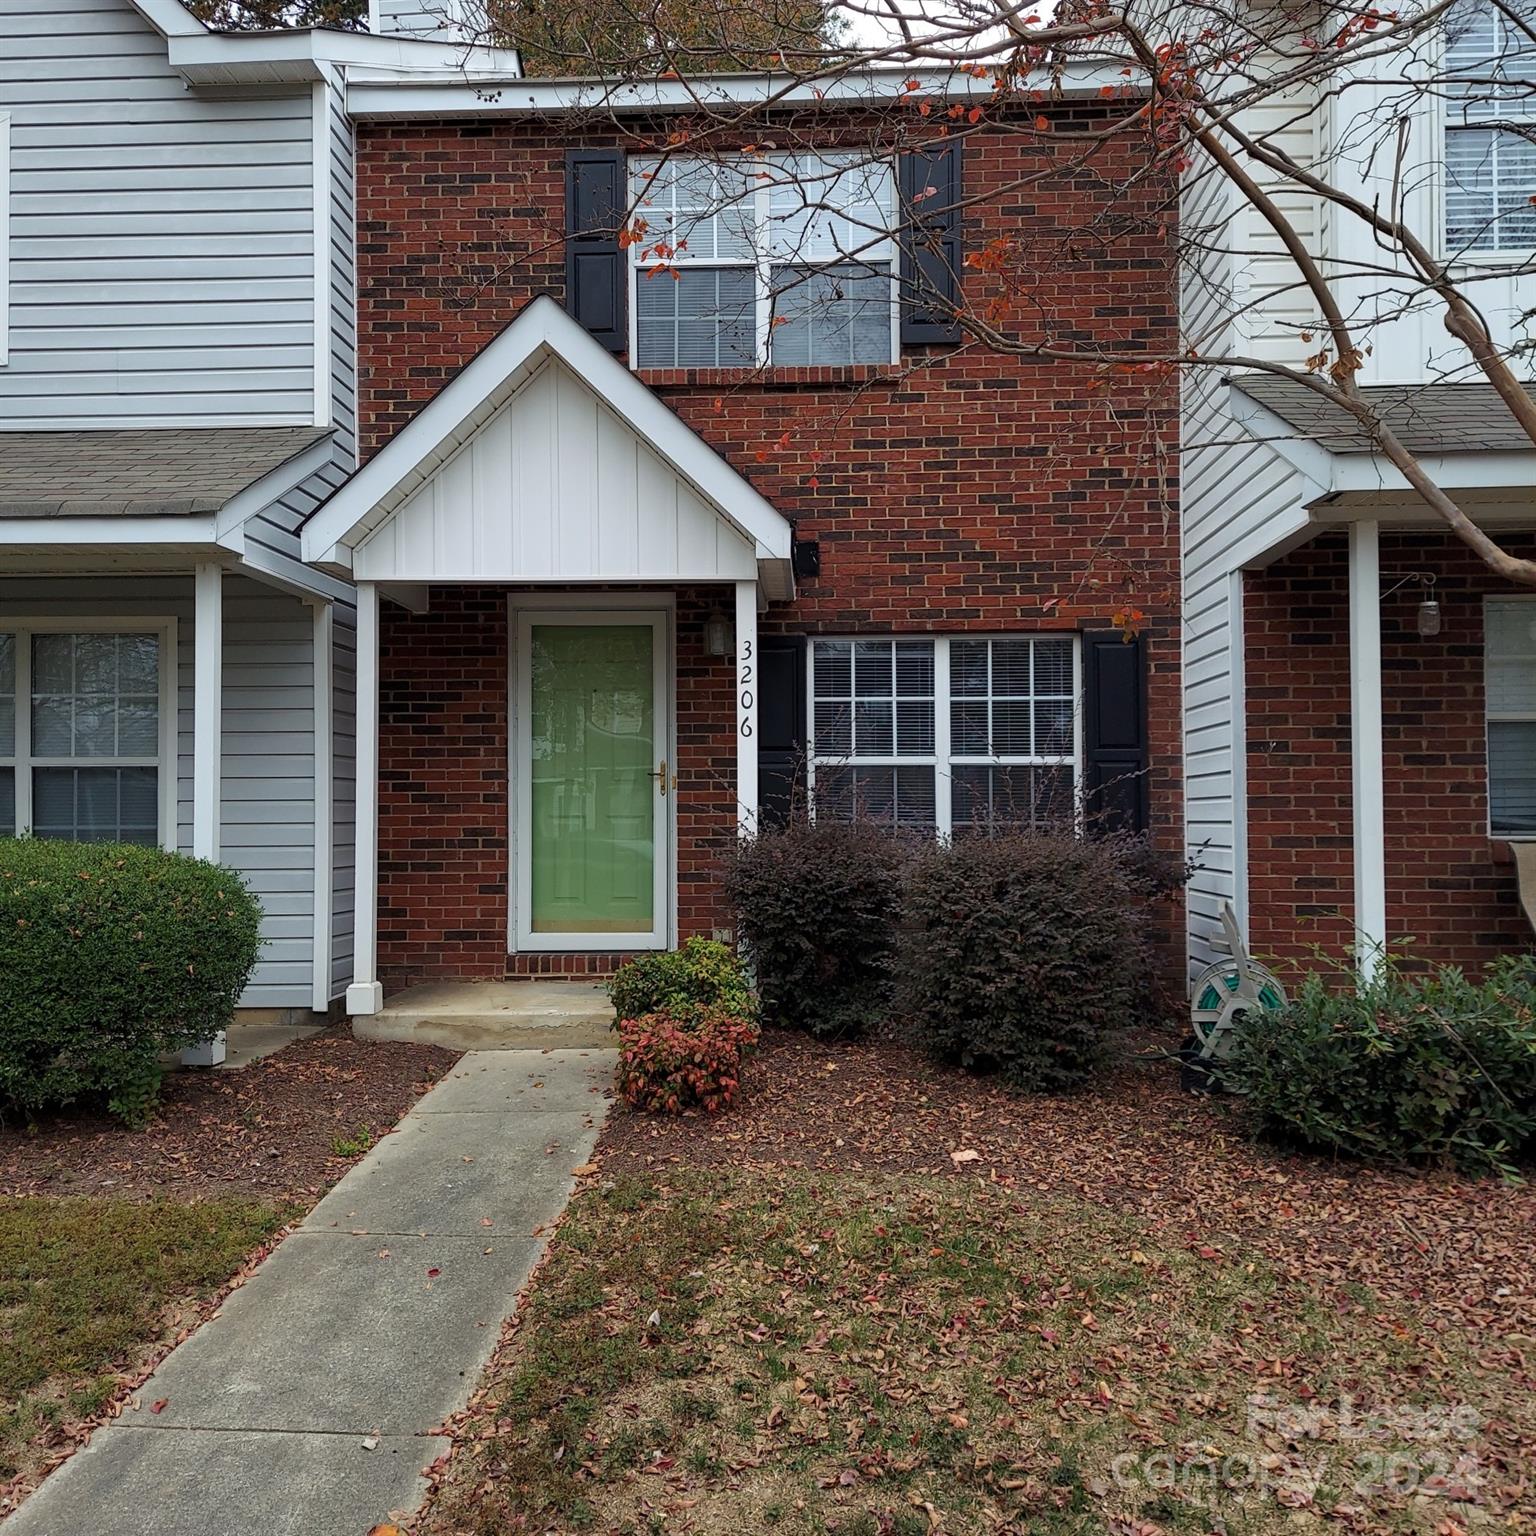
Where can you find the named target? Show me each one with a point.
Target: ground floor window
(952, 734)
(1510, 664)
(85, 732)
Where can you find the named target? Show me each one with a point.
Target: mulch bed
(1466, 1249)
(267, 1130)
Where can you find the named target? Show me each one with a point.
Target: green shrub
(1403, 1068)
(113, 955)
(683, 1057)
(818, 909)
(1025, 953)
(702, 971)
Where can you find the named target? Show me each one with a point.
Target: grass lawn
(87, 1285)
(738, 1350)
(1110, 1313)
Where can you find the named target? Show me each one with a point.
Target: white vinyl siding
(1509, 646)
(161, 239)
(5, 238)
(947, 734)
(1490, 71)
(782, 260)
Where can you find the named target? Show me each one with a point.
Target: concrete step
(495, 1016)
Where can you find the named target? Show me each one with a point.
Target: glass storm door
(593, 783)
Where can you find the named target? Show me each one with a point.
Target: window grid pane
(1012, 700)
(836, 317)
(95, 696)
(97, 805)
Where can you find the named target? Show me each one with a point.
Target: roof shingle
(1428, 418)
(153, 471)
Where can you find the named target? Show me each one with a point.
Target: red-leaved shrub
(683, 1058)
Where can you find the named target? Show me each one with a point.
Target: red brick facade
(960, 490)
(1446, 887)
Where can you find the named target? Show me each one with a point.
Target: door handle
(662, 774)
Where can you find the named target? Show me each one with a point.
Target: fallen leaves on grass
(829, 1352)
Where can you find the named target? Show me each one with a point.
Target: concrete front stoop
(309, 1404)
(495, 1016)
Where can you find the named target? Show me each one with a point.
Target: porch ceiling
(546, 460)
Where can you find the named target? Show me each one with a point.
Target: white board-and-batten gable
(554, 487)
(546, 460)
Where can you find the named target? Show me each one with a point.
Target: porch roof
(546, 459)
(148, 472)
(1435, 417)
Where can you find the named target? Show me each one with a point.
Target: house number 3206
(746, 697)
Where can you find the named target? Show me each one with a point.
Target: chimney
(434, 21)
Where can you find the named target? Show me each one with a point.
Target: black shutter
(780, 727)
(1115, 732)
(596, 197)
(929, 185)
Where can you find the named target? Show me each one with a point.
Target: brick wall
(1444, 887)
(959, 490)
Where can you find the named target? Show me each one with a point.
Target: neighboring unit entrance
(591, 764)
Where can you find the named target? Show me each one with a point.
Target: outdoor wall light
(717, 634)
(1427, 619)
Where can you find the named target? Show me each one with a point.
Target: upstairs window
(1509, 647)
(785, 260)
(1490, 84)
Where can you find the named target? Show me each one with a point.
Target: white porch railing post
(365, 995)
(207, 741)
(1365, 741)
(746, 707)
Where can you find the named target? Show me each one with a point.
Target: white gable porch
(545, 462)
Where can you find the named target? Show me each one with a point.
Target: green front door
(594, 791)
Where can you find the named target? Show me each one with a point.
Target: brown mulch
(268, 1130)
(1463, 1248)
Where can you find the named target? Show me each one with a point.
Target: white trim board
(475, 94)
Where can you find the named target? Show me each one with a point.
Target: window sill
(771, 378)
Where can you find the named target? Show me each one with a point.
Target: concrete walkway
(304, 1408)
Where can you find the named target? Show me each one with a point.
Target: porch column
(365, 995)
(1365, 740)
(207, 741)
(746, 707)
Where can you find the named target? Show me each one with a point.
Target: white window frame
(941, 759)
(763, 264)
(1493, 716)
(24, 627)
(5, 238)
(1447, 119)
